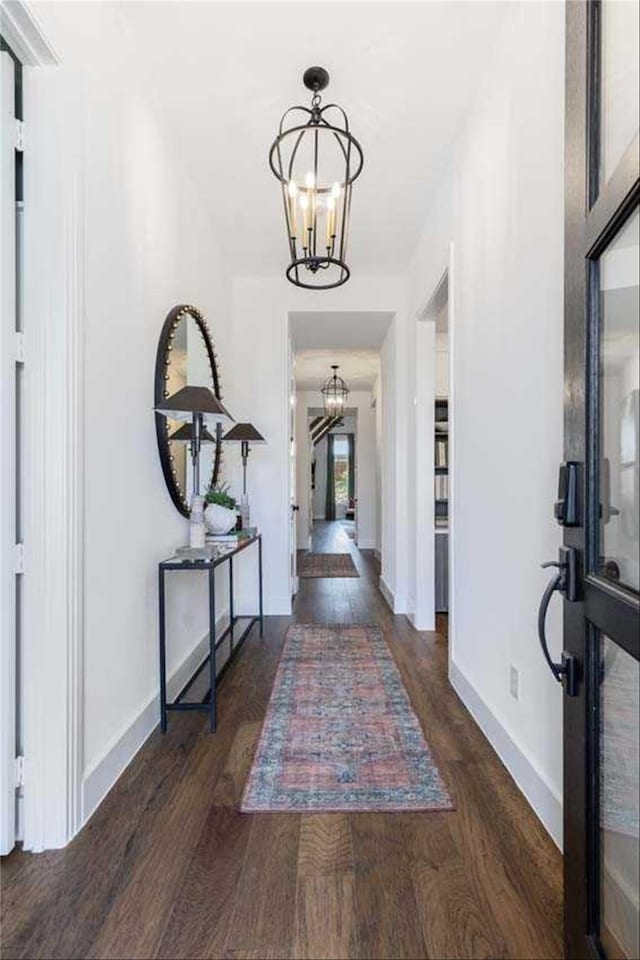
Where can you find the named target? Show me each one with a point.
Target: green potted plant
(220, 514)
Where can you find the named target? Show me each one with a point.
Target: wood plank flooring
(168, 867)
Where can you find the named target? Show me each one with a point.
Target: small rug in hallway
(340, 733)
(327, 565)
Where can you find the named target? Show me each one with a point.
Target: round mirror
(185, 358)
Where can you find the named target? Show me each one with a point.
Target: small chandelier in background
(334, 392)
(316, 159)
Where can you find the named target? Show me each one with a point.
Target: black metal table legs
(163, 653)
(208, 704)
(212, 650)
(260, 585)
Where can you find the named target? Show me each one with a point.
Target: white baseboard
(366, 543)
(425, 626)
(397, 601)
(400, 603)
(98, 781)
(277, 607)
(544, 801)
(246, 606)
(386, 592)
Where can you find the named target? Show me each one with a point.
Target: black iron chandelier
(316, 159)
(334, 394)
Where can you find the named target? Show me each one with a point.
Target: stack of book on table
(234, 536)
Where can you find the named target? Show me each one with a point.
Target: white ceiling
(358, 368)
(338, 329)
(223, 73)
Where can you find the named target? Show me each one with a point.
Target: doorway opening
(339, 459)
(340, 455)
(334, 467)
(442, 510)
(333, 478)
(434, 544)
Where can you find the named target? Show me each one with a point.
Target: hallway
(331, 536)
(168, 867)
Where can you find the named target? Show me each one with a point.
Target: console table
(220, 554)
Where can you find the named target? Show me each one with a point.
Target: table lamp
(244, 434)
(200, 406)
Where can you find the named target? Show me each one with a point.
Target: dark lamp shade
(189, 400)
(185, 434)
(243, 432)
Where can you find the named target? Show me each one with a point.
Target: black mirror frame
(160, 393)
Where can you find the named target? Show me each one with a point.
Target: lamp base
(196, 523)
(244, 512)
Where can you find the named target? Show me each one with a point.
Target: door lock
(565, 509)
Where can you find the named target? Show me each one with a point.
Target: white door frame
(291, 428)
(309, 453)
(424, 614)
(8, 435)
(53, 494)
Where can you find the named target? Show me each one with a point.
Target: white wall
(147, 245)
(442, 364)
(376, 396)
(501, 203)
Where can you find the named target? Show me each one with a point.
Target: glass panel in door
(618, 558)
(619, 802)
(619, 81)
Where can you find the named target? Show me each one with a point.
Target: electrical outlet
(514, 683)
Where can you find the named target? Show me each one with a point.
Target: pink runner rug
(340, 733)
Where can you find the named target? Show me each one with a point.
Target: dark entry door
(599, 496)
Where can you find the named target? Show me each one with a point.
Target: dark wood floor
(167, 867)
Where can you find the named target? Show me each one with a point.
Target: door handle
(564, 582)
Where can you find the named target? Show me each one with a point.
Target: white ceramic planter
(219, 520)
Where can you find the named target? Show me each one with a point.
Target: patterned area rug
(340, 733)
(327, 565)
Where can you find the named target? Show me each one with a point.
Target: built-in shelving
(441, 497)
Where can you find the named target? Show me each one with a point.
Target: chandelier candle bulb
(292, 191)
(309, 183)
(331, 220)
(304, 204)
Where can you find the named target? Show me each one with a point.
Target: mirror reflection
(188, 364)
